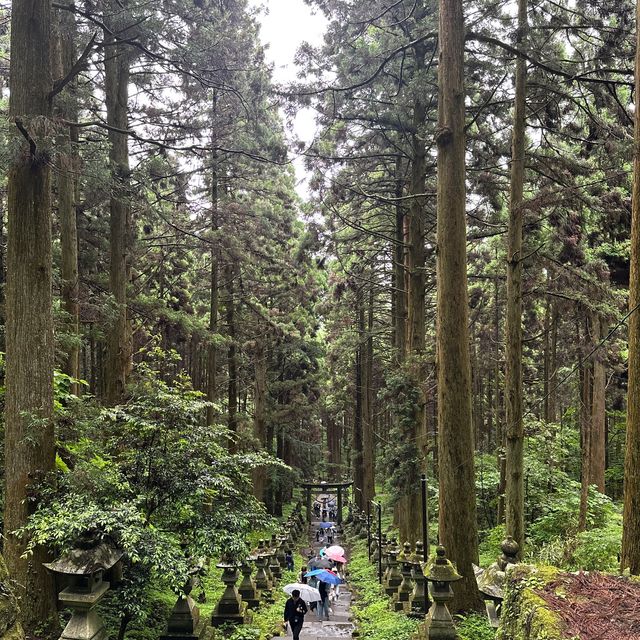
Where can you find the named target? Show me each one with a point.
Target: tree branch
(77, 67)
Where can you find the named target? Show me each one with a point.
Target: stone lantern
(230, 608)
(418, 600)
(85, 568)
(402, 595)
(491, 580)
(247, 589)
(274, 564)
(440, 574)
(394, 577)
(262, 578)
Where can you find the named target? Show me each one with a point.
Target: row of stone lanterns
(404, 578)
(87, 572)
(269, 560)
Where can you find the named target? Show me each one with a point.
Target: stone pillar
(394, 577)
(230, 608)
(183, 621)
(339, 506)
(401, 597)
(247, 589)
(417, 600)
(262, 578)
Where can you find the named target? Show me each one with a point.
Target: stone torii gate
(325, 486)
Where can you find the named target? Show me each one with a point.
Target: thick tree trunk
(514, 489)
(28, 437)
(213, 286)
(399, 292)
(356, 439)
(259, 416)
(368, 426)
(118, 342)
(67, 184)
(457, 516)
(586, 397)
(408, 509)
(598, 410)
(232, 359)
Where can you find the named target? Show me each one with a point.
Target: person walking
(288, 558)
(294, 611)
(323, 605)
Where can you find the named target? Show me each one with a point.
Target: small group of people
(328, 534)
(325, 510)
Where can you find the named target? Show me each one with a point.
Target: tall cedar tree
(29, 440)
(457, 516)
(630, 556)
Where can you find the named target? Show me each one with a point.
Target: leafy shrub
(475, 627)
(370, 607)
(152, 477)
(597, 549)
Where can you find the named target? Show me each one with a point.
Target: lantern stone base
(223, 615)
(85, 624)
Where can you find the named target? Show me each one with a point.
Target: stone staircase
(340, 624)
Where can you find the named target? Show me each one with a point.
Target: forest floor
(596, 605)
(340, 623)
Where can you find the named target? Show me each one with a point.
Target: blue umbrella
(329, 577)
(315, 572)
(326, 525)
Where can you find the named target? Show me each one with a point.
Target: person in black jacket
(294, 611)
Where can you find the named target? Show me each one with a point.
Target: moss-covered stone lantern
(441, 573)
(85, 569)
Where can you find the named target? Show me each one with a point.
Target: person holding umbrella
(294, 612)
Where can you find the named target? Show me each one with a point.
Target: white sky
(285, 25)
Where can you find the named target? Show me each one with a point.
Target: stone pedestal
(183, 621)
(394, 577)
(417, 600)
(247, 589)
(401, 598)
(440, 625)
(230, 608)
(85, 624)
(274, 566)
(262, 578)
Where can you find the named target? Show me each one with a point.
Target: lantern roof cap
(85, 561)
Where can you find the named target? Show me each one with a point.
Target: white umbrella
(335, 549)
(307, 593)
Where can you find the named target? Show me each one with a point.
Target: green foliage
(151, 476)
(598, 549)
(474, 627)
(402, 396)
(370, 607)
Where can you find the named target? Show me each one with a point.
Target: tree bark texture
(457, 517)
(399, 291)
(213, 300)
(259, 416)
(29, 438)
(117, 70)
(586, 397)
(356, 439)
(67, 183)
(597, 465)
(408, 509)
(232, 358)
(514, 489)
(368, 451)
